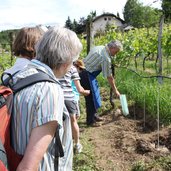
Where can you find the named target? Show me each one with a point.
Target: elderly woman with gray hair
(98, 60)
(38, 109)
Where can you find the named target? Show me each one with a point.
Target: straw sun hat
(79, 63)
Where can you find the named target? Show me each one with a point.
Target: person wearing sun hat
(98, 60)
(79, 64)
(71, 102)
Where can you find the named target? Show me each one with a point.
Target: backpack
(9, 159)
(3, 158)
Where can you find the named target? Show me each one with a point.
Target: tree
(151, 16)
(166, 7)
(74, 26)
(133, 13)
(5, 39)
(91, 16)
(118, 15)
(138, 15)
(81, 28)
(69, 24)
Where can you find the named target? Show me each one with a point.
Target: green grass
(148, 91)
(85, 161)
(161, 164)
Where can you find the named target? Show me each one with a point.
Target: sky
(15, 14)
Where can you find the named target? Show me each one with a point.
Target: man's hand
(117, 93)
(111, 81)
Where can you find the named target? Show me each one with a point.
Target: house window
(109, 18)
(105, 18)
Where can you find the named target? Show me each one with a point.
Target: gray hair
(115, 43)
(58, 45)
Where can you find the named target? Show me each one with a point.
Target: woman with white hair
(98, 60)
(38, 109)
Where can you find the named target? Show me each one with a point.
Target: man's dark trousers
(90, 107)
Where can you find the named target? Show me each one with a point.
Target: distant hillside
(6, 37)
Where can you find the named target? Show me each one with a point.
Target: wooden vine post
(11, 36)
(160, 78)
(159, 56)
(89, 36)
(111, 90)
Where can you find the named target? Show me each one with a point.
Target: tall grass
(144, 90)
(149, 90)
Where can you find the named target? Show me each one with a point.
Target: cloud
(100, 6)
(20, 13)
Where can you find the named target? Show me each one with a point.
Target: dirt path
(121, 142)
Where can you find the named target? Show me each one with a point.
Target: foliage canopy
(140, 16)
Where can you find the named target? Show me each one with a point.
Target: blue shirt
(75, 91)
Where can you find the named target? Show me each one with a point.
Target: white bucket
(124, 104)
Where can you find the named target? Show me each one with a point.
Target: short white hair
(58, 45)
(44, 28)
(115, 43)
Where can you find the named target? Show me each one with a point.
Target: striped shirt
(37, 105)
(66, 82)
(98, 59)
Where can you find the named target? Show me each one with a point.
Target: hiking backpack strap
(59, 152)
(30, 80)
(9, 78)
(3, 158)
